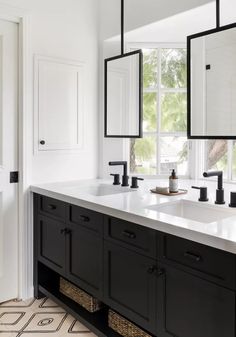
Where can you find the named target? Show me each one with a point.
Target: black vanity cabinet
(196, 292)
(69, 241)
(168, 286)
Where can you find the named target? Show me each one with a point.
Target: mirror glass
(123, 95)
(212, 84)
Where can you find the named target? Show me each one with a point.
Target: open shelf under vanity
(96, 322)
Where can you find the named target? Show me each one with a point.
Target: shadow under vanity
(166, 285)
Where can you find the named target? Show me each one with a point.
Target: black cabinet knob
(52, 207)
(160, 271)
(203, 193)
(42, 142)
(134, 183)
(151, 269)
(65, 231)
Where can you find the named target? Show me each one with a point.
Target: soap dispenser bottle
(173, 182)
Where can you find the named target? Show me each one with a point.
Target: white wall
(66, 29)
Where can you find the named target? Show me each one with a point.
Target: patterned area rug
(38, 318)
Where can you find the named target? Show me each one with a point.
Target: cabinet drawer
(141, 239)
(53, 207)
(217, 264)
(87, 218)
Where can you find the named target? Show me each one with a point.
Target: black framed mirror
(211, 69)
(124, 95)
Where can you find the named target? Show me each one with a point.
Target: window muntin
(165, 145)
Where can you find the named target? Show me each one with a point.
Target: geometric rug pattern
(38, 318)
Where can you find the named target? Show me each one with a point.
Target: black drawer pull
(192, 256)
(129, 235)
(65, 231)
(151, 269)
(52, 207)
(85, 218)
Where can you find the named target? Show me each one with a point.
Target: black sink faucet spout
(219, 190)
(125, 177)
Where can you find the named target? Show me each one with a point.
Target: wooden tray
(181, 191)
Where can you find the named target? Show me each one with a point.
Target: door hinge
(14, 177)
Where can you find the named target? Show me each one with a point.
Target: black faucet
(125, 177)
(219, 190)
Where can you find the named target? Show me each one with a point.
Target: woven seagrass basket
(124, 327)
(87, 301)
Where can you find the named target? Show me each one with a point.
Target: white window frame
(192, 169)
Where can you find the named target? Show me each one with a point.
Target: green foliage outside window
(165, 85)
(172, 75)
(150, 66)
(173, 66)
(173, 116)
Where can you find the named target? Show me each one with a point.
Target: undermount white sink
(195, 211)
(104, 189)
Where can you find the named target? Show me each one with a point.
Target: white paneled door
(8, 160)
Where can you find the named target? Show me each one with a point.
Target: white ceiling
(175, 28)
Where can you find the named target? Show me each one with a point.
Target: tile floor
(42, 318)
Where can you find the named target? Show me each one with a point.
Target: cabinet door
(84, 259)
(59, 110)
(130, 285)
(51, 247)
(189, 306)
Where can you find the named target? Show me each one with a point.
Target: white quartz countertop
(133, 206)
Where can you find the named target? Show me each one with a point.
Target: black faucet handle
(203, 193)
(116, 178)
(219, 190)
(232, 199)
(134, 181)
